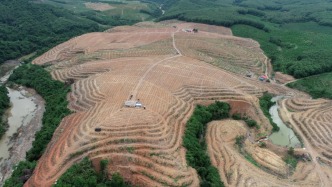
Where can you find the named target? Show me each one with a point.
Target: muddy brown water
(21, 113)
(285, 136)
(24, 119)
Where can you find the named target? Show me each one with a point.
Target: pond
(285, 136)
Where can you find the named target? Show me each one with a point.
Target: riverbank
(25, 119)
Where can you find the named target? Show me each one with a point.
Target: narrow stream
(161, 8)
(285, 136)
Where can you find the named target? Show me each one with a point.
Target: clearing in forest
(98, 6)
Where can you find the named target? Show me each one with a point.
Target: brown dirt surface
(283, 78)
(235, 170)
(98, 6)
(169, 71)
(312, 120)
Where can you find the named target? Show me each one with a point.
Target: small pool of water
(21, 113)
(285, 136)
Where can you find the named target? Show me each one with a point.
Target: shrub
(265, 104)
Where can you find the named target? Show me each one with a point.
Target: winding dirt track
(169, 71)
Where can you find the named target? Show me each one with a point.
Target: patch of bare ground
(283, 78)
(169, 70)
(98, 6)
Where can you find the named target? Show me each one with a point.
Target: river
(24, 120)
(285, 136)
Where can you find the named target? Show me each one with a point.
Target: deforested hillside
(133, 90)
(295, 35)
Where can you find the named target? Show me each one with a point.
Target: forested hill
(26, 27)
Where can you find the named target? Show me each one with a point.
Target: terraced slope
(235, 170)
(159, 65)
(312, 120)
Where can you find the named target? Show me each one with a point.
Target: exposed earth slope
(167, 68)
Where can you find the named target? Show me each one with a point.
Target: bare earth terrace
(169, 71)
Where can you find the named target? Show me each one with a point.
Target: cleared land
(169, 70)
(98, 6)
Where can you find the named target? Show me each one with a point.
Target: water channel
(285, 136)
(21, 112)
(24, 119)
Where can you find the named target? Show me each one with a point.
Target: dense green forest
(55, 96)
(317, 85)
(4, 104)
(194, 141)
(83, 174)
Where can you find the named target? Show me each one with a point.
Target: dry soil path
(139, 84)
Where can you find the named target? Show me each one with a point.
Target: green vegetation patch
(317, 86)
(194, 141)
(291, 159)
(265, 104)
(83, 174)
(239, 141)
(4, 104)
(21, 173)
(250, 122)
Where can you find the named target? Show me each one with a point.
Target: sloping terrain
(235, 170)
(167, 68)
